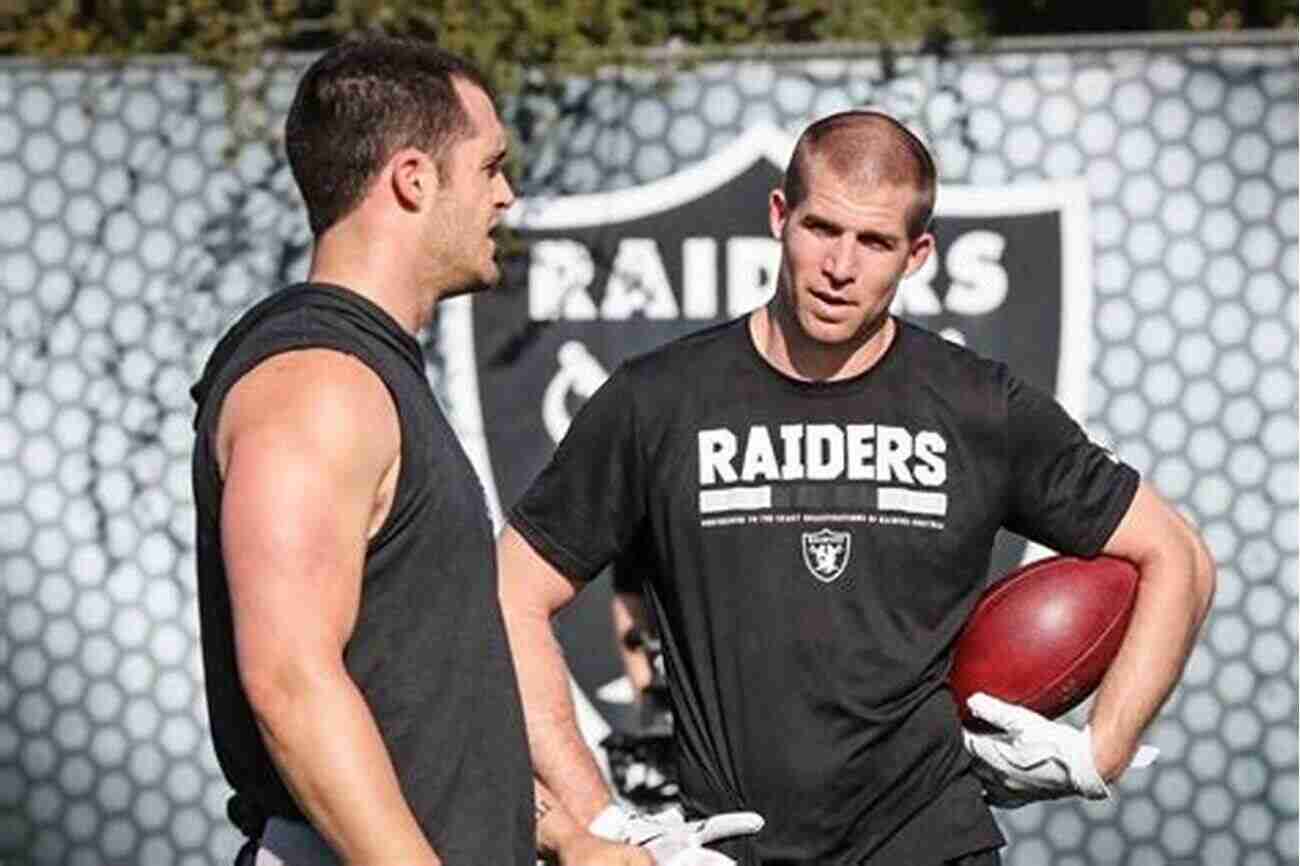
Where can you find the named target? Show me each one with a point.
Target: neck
(378, 267)
(783, 344)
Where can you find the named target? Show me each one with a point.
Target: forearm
(1173, 598)
(561, 758)
(324, 741)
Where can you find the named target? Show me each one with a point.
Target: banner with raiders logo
(606, 276)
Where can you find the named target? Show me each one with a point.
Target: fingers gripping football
(1032, 758)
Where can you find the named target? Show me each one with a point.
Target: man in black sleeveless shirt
(816, 487)
(362, 698)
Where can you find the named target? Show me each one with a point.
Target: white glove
(1034, 758)
(670, 838)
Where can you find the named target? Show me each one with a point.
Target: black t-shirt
(816, 549)
(428, 650)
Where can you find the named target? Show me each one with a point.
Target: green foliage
(1202, 15)
(524, 46)
(506, 36)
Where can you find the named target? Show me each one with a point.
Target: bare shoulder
(316, 401)
(307, 443)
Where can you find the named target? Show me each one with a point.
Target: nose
(841, 260)
(506, 193)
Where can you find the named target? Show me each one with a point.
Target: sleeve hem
(559, 558)
(1119, 506)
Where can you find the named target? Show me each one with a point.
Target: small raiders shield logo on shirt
(826, 553)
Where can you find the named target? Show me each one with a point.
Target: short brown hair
(362, 101)
(871, 147)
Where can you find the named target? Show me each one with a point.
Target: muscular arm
(531, 592)
(1174, 593)
(308, 443)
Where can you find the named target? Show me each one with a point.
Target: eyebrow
(816, 221)
(812, 219)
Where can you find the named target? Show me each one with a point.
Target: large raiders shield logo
(602, 277)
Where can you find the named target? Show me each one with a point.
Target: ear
(778, 212)
(920, 250)
(414, 178)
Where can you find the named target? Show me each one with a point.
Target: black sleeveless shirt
(429, 650)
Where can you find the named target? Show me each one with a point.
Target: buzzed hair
(870, 148)
(362, 101)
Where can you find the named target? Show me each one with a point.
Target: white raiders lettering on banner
(563, 280)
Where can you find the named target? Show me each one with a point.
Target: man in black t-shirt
(820, 485)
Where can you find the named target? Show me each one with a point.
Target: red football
(1044, 635)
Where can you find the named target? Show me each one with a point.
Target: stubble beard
(806, 349)
(449, 278)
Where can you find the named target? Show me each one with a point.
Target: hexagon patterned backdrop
(131, 233)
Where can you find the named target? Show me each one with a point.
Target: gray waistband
(292, 843)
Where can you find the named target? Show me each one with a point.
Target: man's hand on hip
(672, 840)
